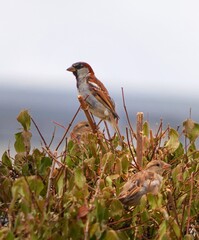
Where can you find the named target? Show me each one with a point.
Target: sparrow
(146, 181)
(100, 104)
(80, 129)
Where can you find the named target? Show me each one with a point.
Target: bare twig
(109, 136)
(139, 139)
(159, 132)
(173, 205)
(50, 177)
(135, 162)
(127, 116)
(190, 200)
(157, 142)
(40, 134)
(53, 136)
(67, 129)
(107, 130)
(86, 230)
(58, 124)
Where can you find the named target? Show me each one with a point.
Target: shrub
(41, 198)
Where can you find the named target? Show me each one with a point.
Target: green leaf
(22, 187)
(162, 229)
(176, 229)
(146, 129)
(111, 234)
(5, 189)
(109, 181)
(179, 151)
(6, 160)
(125, 163)
(45, 163)
(181, 199)
(116, 208)
(25, 169)
(35, 184)
(19, 188)
(152, 200)
(80, 179)
(108, 161)
(69, 161)
(60, 184)
(101, 211)
(191, 129)
(22, 141)
(25, 119)
(19, 143)
(173, 142)
(188, 237)
(95, 229)
(10, 236)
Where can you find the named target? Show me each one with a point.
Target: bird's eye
(158, 165)
(78, 65)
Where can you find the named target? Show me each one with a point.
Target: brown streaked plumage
(80, 129)
(97, 97)
(146, 181)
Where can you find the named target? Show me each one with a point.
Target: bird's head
(157, 166)
(80, 69)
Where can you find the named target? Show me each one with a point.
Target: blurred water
(60, 106)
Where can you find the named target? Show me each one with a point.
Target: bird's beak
(71, 69)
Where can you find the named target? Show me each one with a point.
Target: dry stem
(84, 107)
(127, 116)
(139, 139)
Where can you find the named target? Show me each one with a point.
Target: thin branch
(84, 107)
(107, 130)
(50, 178)
(40, 134)
(127, 116)
(67, 129)
(53, 136)
(58, 124)
(86, 230)
(190, 200)
(135, 162)
(139, 148)
(157, 140)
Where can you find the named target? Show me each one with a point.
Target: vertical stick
(139, 149)
(84, 107)
(93, 126)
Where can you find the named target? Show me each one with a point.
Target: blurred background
(150, 48)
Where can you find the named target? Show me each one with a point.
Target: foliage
(40, 199)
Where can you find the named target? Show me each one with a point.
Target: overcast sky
(139, 45)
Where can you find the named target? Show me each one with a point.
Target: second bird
(97, 97)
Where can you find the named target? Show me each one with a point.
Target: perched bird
(80, 129)
(146, 181)
(95, 94)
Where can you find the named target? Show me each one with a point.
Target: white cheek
(82, 72)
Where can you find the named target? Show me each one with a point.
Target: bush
(41, 198)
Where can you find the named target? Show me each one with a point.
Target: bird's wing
(133, 189)
(101, 94)
(139, 184)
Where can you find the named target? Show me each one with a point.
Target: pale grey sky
(139, 45)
